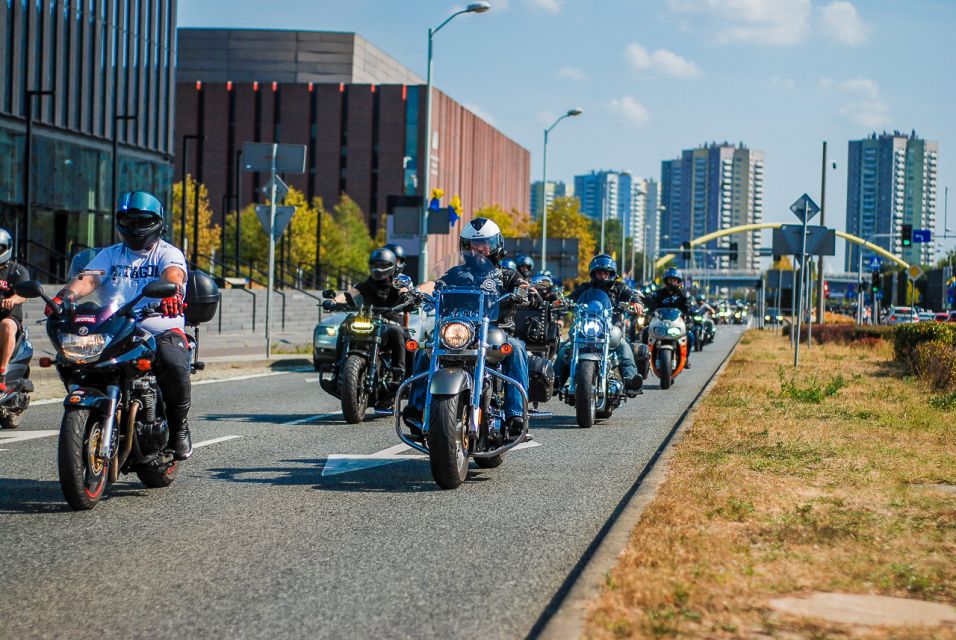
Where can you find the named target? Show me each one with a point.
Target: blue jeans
(625, 358)
(514, 366)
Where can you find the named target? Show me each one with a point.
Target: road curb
(564, 615)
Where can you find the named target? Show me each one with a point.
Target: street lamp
(474, 7)
(544, 185)
(115, 158)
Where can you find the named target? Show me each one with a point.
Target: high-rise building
(710, 188)
(598, 193)
(554, 190)
(652, 217)
(891, 181)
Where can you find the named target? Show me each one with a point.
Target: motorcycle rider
(482, 246)
(121, 272)
(704, 306)
(672, 296)
(11, 313)
(603, 270)
(377, 291)
(525, 266)
(508, 263)
(399, 252)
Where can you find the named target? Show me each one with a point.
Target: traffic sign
(922, 235)
(875, 263)
(914, 272)
(851, 290)
(289, 158)
(804, 208)
(283, 216)
(879, 294)
(788, 240)
(282, 190)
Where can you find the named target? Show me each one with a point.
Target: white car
(900, 315)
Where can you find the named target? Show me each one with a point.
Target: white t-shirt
(124, 273)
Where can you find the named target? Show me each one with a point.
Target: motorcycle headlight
(361, 325)
(698, 318)
(591, 328)
(737, 315)
(456, 335)
(767, 318)
(327, 330)
(673, 332)
(660, 331)
(640, 321)
(81, 348)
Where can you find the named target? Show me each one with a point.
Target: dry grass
(788, 484)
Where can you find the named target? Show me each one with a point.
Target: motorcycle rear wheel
(83, 477)
(447, 455)
(354, 395)
(585, 398)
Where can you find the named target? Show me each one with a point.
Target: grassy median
(787, 484)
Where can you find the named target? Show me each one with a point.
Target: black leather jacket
(671, 299)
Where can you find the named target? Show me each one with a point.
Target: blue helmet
(508, 263)
(140, 219)
(674, 273)
(525, 265)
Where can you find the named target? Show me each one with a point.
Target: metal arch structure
(776, 225)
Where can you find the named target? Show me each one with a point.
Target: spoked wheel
(447, 450)
(354, 394)
(83, 476)
(585, 396)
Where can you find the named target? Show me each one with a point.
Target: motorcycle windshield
(669, 314)
(467, 303)
(596, 300)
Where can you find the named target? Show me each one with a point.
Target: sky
(654, 77)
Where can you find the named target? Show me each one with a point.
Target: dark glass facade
(109, 65)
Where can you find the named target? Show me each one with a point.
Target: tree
(346, 242)
(565, 220)
(208, 232)
(513, 224)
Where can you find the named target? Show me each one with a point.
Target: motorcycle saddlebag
(540, 379)
(202, 298)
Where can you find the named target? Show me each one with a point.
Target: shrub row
(844, 333)
(929, 350)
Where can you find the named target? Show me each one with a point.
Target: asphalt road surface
(277, 527)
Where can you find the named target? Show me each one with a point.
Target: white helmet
(6, 246)
(482, 231)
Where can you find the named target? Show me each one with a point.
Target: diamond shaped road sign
(805, 206)
(914, 272)
(283, 216)
(282, 190)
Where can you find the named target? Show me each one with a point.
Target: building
(360, 113)
(67, 49)
(652, 217)
(555, 190)
(598, 193)
(891, 181)
(714, 187)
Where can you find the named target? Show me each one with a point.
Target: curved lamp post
(544, 186)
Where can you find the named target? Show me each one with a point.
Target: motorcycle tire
(698, 343)
(490, 463)
(446, 450)
(354, 395)
(157, 477)
(665, 371)
(585, 397)
(10, 421)
(83, 477)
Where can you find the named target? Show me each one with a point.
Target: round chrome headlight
(456, 335)
(82, 348)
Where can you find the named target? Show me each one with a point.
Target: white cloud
(771, 22)
(572, 73)
(551, 6)
(840, 21)
(864, 106)
(662, 61)
(631, 110)
(481, 113)
(782, 83)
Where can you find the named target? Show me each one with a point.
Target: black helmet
(139, 219)
(508, 263)
(602, 262)
(525, 265)
(6, 246)
(672, 274)
(382, 264)
(399, 252)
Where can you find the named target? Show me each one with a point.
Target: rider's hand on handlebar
(58, 303)
(172, 306)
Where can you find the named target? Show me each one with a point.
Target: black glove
(328, 305)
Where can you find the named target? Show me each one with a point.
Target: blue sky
(658, 76)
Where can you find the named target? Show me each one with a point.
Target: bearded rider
(121, 272)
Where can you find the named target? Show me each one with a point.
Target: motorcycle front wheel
(665, 370)
(447, 455)
(354, 395)
(83, 476)
(585, 396)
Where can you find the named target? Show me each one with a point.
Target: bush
(935, 363)
(906, 337)
(845, 333)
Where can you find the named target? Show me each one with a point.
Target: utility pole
(821, 303)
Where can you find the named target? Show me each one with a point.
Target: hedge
(844, 333)
(906, 337)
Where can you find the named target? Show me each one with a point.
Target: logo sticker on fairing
(86, 319)
(489, 285)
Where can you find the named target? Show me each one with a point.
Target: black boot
(633, 386)
(515, 426)
(180, 442)
(412, 417)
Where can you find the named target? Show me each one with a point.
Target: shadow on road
(31, 496)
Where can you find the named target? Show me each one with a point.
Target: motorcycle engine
(152, 436)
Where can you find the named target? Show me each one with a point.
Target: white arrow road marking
(8, 437)
(321, 416)
(214, 441)
(312, 379)
(336, 463)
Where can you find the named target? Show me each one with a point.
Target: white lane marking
(527, 444)
(316, 418)
(338, 463)
(214, 441)
(8, 437)
(37, 403)
(312, 379)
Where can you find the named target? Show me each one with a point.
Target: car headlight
(82, 348)
(361, 325)
(591, 328)
(326, 330)
(456, 335)
(674, 331)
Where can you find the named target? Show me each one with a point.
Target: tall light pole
(474, 7)
(544, 186)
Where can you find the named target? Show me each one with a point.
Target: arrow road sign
(922, 235)
(282, 189)
(283, 216)
(804, 206)
(875, 263)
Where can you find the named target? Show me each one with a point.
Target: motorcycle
(668, 341)
(594, 387)
(463, 416)
(15, 400)
(363, 374)
(114, 416)
(540, 330)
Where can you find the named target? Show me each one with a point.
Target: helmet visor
(135, 222)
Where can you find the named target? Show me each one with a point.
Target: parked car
(900, 315)
(925, 315)
(941, 316)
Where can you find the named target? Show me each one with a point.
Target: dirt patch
(852, 609)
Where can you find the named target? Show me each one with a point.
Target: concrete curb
(563, 618)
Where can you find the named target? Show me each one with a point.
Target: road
(267, 533)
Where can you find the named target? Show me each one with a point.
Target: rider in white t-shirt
(120, 272)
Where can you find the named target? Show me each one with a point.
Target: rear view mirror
(328, 294)
(28, 289)
(160, 289)
(402, 281)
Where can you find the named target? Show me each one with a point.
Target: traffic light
(758, 285)
(733, 252)
(907, 235)
(685, 251)
(876, 282)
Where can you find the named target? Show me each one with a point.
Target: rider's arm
(175, 275)
(352, 292)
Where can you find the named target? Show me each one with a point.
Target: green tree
(565, 220)
(513, 224)
(346, 242)
(208, 232)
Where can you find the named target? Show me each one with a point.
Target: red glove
(60, 299)
(173, 306)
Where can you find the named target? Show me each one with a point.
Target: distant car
(941, 316)
(952, 316)
(925, 315)
(326, 333)
(772, 316)
(900, 315)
